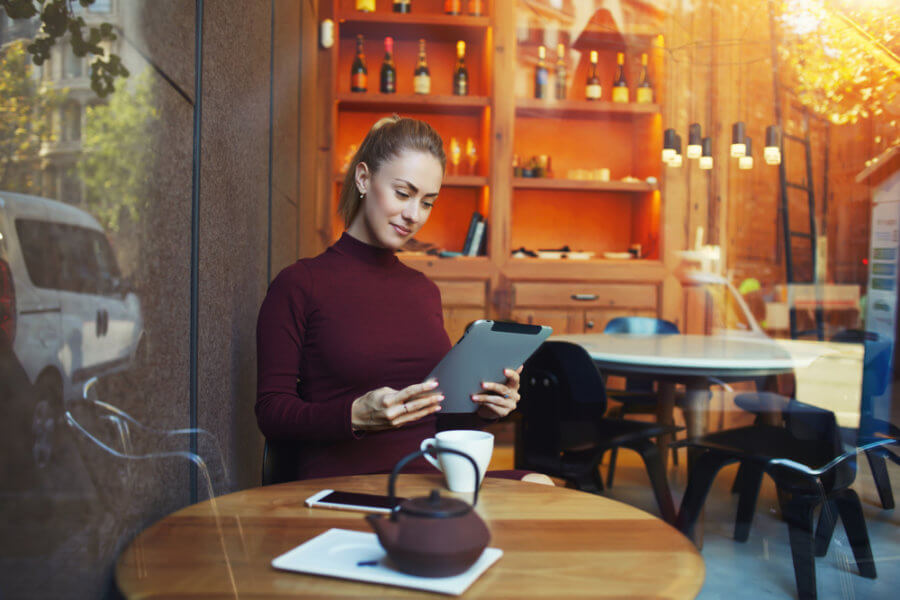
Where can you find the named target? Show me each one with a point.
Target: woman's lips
(403, 231)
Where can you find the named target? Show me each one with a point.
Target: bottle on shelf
(402, 6)
(460, 73)
(620, 84)
(455, 156)
(471, 157)
(592, 88)
(452, 7)
(365, 5)
(645, 88)
(422, 75)
(388, 72)
(359, 74)
(476, 8)
(541, 75)
(561, 73)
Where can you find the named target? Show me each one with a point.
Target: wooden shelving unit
(452, 105)
(581, 109)
(544, 183)
(577, 134)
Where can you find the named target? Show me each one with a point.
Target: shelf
(462, 181)
(544, 183)
(582, 109)
(369, 101)
(413, 26)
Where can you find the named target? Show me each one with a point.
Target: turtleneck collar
(373, 255)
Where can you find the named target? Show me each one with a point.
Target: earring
(362, 195)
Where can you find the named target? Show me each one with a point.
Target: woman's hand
(386, 407)
(499, 399)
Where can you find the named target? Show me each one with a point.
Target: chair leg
(882, 480)
(825, 528)
(656, 470)
(850, 509)
(799, 517)
(702, 474)
(611, 470)
(750, 480)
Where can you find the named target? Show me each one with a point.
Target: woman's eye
(402, 194)
(428, 204)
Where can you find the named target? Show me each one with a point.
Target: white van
(63, 304)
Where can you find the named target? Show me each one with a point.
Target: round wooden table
(557, 543)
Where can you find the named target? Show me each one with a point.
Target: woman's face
(399, 198)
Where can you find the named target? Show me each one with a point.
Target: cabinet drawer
(586, 295)
(462, 293)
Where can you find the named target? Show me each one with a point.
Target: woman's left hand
(499, 399)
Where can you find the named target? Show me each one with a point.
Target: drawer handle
(584, 297)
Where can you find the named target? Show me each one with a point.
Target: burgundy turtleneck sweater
(332, 328)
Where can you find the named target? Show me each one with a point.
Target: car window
(67, 257)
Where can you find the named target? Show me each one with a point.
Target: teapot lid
(434, 506)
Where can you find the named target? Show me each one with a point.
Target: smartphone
(352, 501)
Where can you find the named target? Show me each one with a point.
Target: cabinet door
(562, 321)
(463, 302)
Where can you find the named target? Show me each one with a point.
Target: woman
(345, 340)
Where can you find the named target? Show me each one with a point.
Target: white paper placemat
(338, 552)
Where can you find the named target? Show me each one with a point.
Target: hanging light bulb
(746, 162)
(668, 145)
(677, 160)
(706, 159)
(694, 148)
(738, 134)
(772, 152)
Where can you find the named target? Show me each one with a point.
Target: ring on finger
(405, 408)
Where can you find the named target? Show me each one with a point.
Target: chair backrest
(280, 462)
(641, 326)
(818, 427)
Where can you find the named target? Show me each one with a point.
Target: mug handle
(424, 446)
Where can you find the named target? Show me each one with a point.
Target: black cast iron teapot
(431, 536)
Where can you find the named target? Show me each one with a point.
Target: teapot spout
(385, 529)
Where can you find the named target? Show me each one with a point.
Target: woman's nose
(411, 211)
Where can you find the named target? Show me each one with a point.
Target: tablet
(485, 349)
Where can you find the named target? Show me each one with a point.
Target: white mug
(457, 470)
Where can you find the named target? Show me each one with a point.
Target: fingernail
(484, 385)
(433, 383)
(441, 397)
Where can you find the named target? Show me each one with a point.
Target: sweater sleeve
(280, 412)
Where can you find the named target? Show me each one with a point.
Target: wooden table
(557, 543)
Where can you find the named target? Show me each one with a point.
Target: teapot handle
(434, 450)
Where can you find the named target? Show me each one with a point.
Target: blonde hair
(387, 138)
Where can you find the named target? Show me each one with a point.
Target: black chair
(562, 430)
(805, 460)
(280, 462)
(876, 374)
(638, 396)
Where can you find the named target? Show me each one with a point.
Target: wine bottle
(476, 8)
(620, 85)
(460, 73)
(561, 73)
(359, 74)
(402, 6)
(541, 75)
(365, 5)
(422, 75)
(452, 7)
(388, 72)
(592, 88)
(644, 88)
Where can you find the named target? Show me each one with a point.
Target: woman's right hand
(386, 408)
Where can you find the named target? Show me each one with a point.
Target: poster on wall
(881, 306)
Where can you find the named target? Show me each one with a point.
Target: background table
(691, 360)
(557, 543)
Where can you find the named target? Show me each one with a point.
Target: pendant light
(668, 145)
(738, 134)
(772, 152)
(677, 160)
(746, 161)
(706, 159)
(694, 147)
